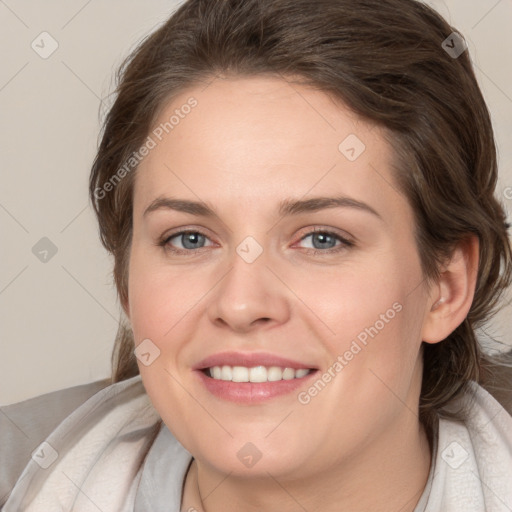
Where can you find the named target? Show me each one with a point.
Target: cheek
(372, 369)
(374, 315)
(158, 295)
(162, 310)
(353, 297)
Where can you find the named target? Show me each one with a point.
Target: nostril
(261, 320)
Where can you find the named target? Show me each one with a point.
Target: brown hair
(382, 58)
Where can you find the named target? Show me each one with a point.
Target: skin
(358, 445)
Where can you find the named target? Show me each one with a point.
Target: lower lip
(251, 392)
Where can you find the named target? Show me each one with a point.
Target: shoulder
(25, 425)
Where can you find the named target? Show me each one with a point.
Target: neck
(388, 475)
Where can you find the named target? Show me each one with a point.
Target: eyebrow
(286, 208)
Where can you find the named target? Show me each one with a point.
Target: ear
(451, 297)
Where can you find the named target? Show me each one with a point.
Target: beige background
(58, 319)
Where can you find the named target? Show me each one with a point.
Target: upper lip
(249, 359)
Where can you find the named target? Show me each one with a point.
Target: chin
(255, 460)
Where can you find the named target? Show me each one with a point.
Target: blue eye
(323, 239)
(190, 240)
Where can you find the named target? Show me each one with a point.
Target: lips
(244, 389)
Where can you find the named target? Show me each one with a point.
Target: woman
(299, 197)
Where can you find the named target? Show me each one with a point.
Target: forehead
(258, 139)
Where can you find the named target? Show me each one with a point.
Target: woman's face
(301, 255)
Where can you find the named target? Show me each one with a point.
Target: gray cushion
(25, 425)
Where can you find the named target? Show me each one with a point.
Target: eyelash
(164, 242)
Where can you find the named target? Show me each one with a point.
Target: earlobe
(452, 295)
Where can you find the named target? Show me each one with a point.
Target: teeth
(288, 374)
(240, 374)
(226, 373)
(256, 373)
(274, 373)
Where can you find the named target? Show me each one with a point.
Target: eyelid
(327, 230)
(186, 229)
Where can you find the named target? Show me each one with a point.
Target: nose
(249, 296)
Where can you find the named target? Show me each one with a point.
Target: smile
(250, 378)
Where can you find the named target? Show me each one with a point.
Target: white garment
(472, 470)
(114, 454)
